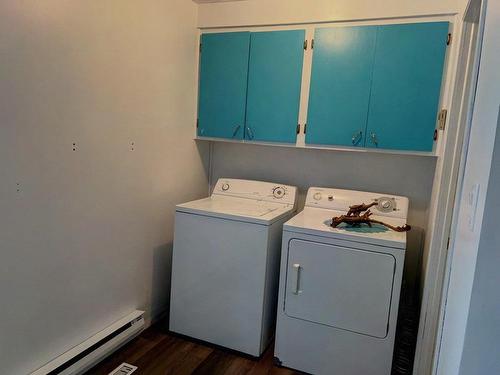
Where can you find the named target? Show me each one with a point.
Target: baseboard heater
(87, 354)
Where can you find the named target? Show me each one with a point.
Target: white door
(339, 287)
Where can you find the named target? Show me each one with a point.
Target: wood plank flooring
(157, 352)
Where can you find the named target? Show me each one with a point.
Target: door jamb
(448, 179)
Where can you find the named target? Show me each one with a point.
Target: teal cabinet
(274, 82)
(340, 85)
(377, 86)
(250, 85)
(371, 86)
(406, 85)
(223, 84)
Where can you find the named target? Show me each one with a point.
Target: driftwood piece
(355, 218)
(356, 209)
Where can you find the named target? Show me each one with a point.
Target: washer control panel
(258, 190)
(340, 200)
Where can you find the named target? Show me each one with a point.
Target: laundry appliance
(339, 287)
(225, 264)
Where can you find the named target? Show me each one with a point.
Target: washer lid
(234, 208)
(316, 221)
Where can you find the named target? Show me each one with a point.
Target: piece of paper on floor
(123, 369)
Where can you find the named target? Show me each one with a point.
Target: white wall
(270, 12)
(85, 235)
(481, 345)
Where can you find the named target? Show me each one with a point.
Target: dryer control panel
(340, 200)
(257, 190)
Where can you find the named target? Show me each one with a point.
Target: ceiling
(213, 1)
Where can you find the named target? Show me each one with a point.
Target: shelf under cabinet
(320, 147)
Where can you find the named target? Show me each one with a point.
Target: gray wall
(481, 353)
(410, 176)
(85, 235)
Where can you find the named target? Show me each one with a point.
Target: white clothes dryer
(339, 287)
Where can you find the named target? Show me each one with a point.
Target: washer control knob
(225, 186)
(278, 192)
(317, 196)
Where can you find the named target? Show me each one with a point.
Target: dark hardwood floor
(157, 352)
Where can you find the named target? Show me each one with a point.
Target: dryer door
(340, 287)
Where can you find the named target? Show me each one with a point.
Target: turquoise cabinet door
(406, 85)
(274, 80)
(223, 84)
(340, 85)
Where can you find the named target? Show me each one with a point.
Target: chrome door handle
(296, 281)
(373, 138)
(356, 138)
(236, 129)
(250, 133)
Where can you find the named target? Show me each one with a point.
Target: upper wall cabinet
(223, 84)
(377, 86)
(371, 86)
(406, 86)
(274, 78)
(250, 85)
(340, 85)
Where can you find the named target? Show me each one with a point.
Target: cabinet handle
(236, 130)
(373, 138)
(296, 281)
(356, 138)
(250, 133)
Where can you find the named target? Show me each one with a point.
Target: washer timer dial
(279, 192)
(317, 196)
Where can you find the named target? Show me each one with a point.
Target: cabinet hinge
(200, 47)
(448, 39)
(298, 128)
(197, 123)
(305, 44)
(305, 127)
(442, 119)
(448, 243)
(312, 43)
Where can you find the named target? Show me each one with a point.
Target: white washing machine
(225, 266)
(339, 288)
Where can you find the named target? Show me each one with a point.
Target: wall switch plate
(472, 198)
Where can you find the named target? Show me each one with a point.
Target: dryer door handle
(295, 282)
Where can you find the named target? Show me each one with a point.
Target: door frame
(466, 232)
(449, 180)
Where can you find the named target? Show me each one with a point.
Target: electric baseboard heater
(87, 354)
